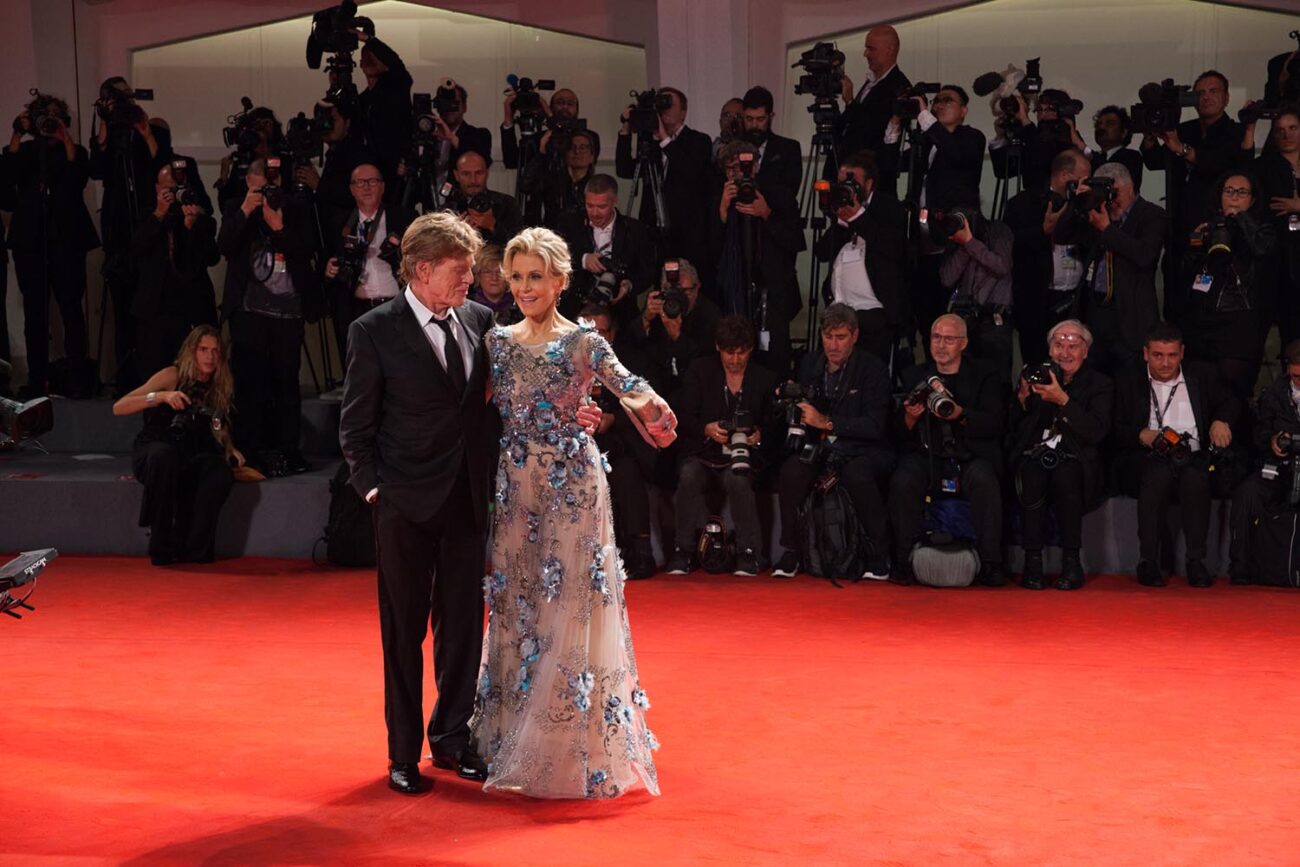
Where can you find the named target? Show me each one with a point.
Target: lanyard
(1155, 404)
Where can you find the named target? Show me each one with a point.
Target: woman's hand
(663, 431)
(177, 400)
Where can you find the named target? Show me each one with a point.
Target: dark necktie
(363, 230)
(451, 350)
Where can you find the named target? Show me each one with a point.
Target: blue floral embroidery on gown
(560, 710)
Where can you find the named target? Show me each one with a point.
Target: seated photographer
(345, 150)
(50, 233)
(1228, 282)
(1112, 130)
(1061, 415)
(867, 248)
(495, 215)
(362, 272)
(976, 267)
(678, 324)
(724, 404)
(755, 238)
(953, 420)
(183, 456)
(631, 459)
(1169, 419)
(272, 287)
(1278, 169)
(490, 287)
(616, 253)
(173, 248)
(844, 410)
(563, 188)
(1049, 253)
(1040, 143)
(1119, 292)
(384, 106)
(562, 110)
(1277, 439)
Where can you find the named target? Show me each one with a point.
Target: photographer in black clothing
(1228, 283)
(562, 190)
(723, 407)
(50, 234)
(1038, 143)
(495, 215)
(631, 459)
(780, 159)
(862, 124)
(755, 239)
(230, 184)
(1278, 170)
(867, 248)
(123, 155)
(185, 169)
(272, 286)
(384, 107)
(677, 323)
(1113, 134)
(1061, 415)
(561, 111)
(1168, 418)
(846, 419)
(976, 267)
(1277, 423)
(953, 424)
(184, 454)
(1193, 157)
(173, 248)
(332, 185)
(616, 254)
(1049, 254)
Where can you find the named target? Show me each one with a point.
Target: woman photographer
(1278, 169)
(1228, 278)
(184, 455)
(1061, 415)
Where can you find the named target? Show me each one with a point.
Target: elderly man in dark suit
(868, 110)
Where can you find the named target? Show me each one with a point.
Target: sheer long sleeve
(634, 393)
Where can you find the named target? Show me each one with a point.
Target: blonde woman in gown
(560, 711)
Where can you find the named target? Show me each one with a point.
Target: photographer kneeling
(844, 412)
(724, 404)
(183, 455)
(1061, 416)
(953, 420)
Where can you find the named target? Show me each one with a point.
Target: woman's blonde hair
(432, 237)
(545, 245)
(221, 387)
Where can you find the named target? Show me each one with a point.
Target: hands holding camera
(1051, 392)
(485, 221)
(253, 200)
(654, 309)
(716, 432)
(757, 208)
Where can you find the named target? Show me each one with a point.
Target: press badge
(1293, 223)
(279, 267)
(1202, 283)
(764, 341)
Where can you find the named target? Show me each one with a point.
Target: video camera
(1257, 111)
(823, 72)
(906, 107)
(117, 108)
(736, 448)
(672, 295)
(529, 113)
(643, 119)
(240, 131)
(797, 439)
(1160, 106)
(933, 394)
(334, 30)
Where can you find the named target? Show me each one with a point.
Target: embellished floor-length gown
(560, 710)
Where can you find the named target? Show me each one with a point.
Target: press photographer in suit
(868, 110)
(496, 223)
(780, 159)
(1112, 132)
(1168, 415)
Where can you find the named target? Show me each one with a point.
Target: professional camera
(839, 194)
(446, 99)
(333, 30)
(530, 114)
(271, 191)
(823, 70)
(302, 139)
(1047, 457)
(1041, 374)
(240, 132)
(797, 439)
(117, 108)
(1160, 107)
(942, 225)
(1058, 129)
(643, 119)
(390, 251)
(1173, 446)
(195, 419)
(746, 190)
(424, 120)
(351, 260)
(672, 296)
(1097, 192)
(1289, 443)
(605, 287)
(905, 106)
(1215, 239)
(1257, 111)
(44, 115)
(184, 193)
(933, 393)
(736, 448)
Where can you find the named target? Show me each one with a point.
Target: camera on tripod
(823, 72)
(738, 429)
(424, 119)
(906, 107)
(117, 108)
(798, 440)
(643, 119)
(672, 296)
(334, 31)
(933, 394)
(1160, 106)
(1096, 192)
(529, 113)
(1173, 446)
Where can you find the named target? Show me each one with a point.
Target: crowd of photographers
(697, 289)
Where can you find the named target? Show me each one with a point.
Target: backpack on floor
(350, 533)
(946, 557)
(832, 542)
(1275, 549)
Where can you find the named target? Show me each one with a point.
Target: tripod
(421, 182)
(117, 269)
(1012, 170)
(650, 172)
(821, 152)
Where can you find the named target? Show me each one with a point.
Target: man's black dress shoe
(1149, 575)
(467, 764)
(1198, 575)
(405, 777)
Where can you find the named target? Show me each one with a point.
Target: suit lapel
(409, 328)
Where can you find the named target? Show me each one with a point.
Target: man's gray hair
(1072, 323)
(1117, 173)
(839, 315)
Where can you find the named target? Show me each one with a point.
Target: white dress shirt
(434, 334)
(850, 283)
(377, 280)
(1179, 415)
(872, 81)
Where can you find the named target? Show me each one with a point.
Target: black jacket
(1036, 155)
(1083, 423)
(883, 226)
(1211, 401)
(504, 208)
(703, 400)
(980, 430)
(240, 236)
(697, 340)
(1275, 412)
(403, 428)
(37, 167)
(686, 192)
(1129, 158)
(1230, 320)
(862, 125)
(1032, 266)
(782, 163)
(859, 405)
(1188, 187)
(1133, 251)
(107, 165)
(510, 148)
(396, 219)
(173, 262)
(385, 112)
(954, 176)
(472, 138)
(775, 243)
(334, 192)
(632, 244)
(1278, 180)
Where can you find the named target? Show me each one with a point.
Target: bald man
(867, 109)
(498, 222)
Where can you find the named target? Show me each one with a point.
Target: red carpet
(232, 715)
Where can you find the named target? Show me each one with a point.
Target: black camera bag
(1275, 549)
(831, 539)
(350, 534)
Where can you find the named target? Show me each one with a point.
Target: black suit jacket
(953, 178)
(632, 243)
(334, 192)
(1134, 249)
(238, 237)
(686, 192)
(504, 208)
(859, 409)
(70, 226)
(385, 112)
(862, 125)
(1126, 156)
(116, 205)
(403, 428)
(782, 163)
(883, 226)
(173, 262)
(702, 400)
(1083, 423)
(1211, 401)
(1188, 187)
